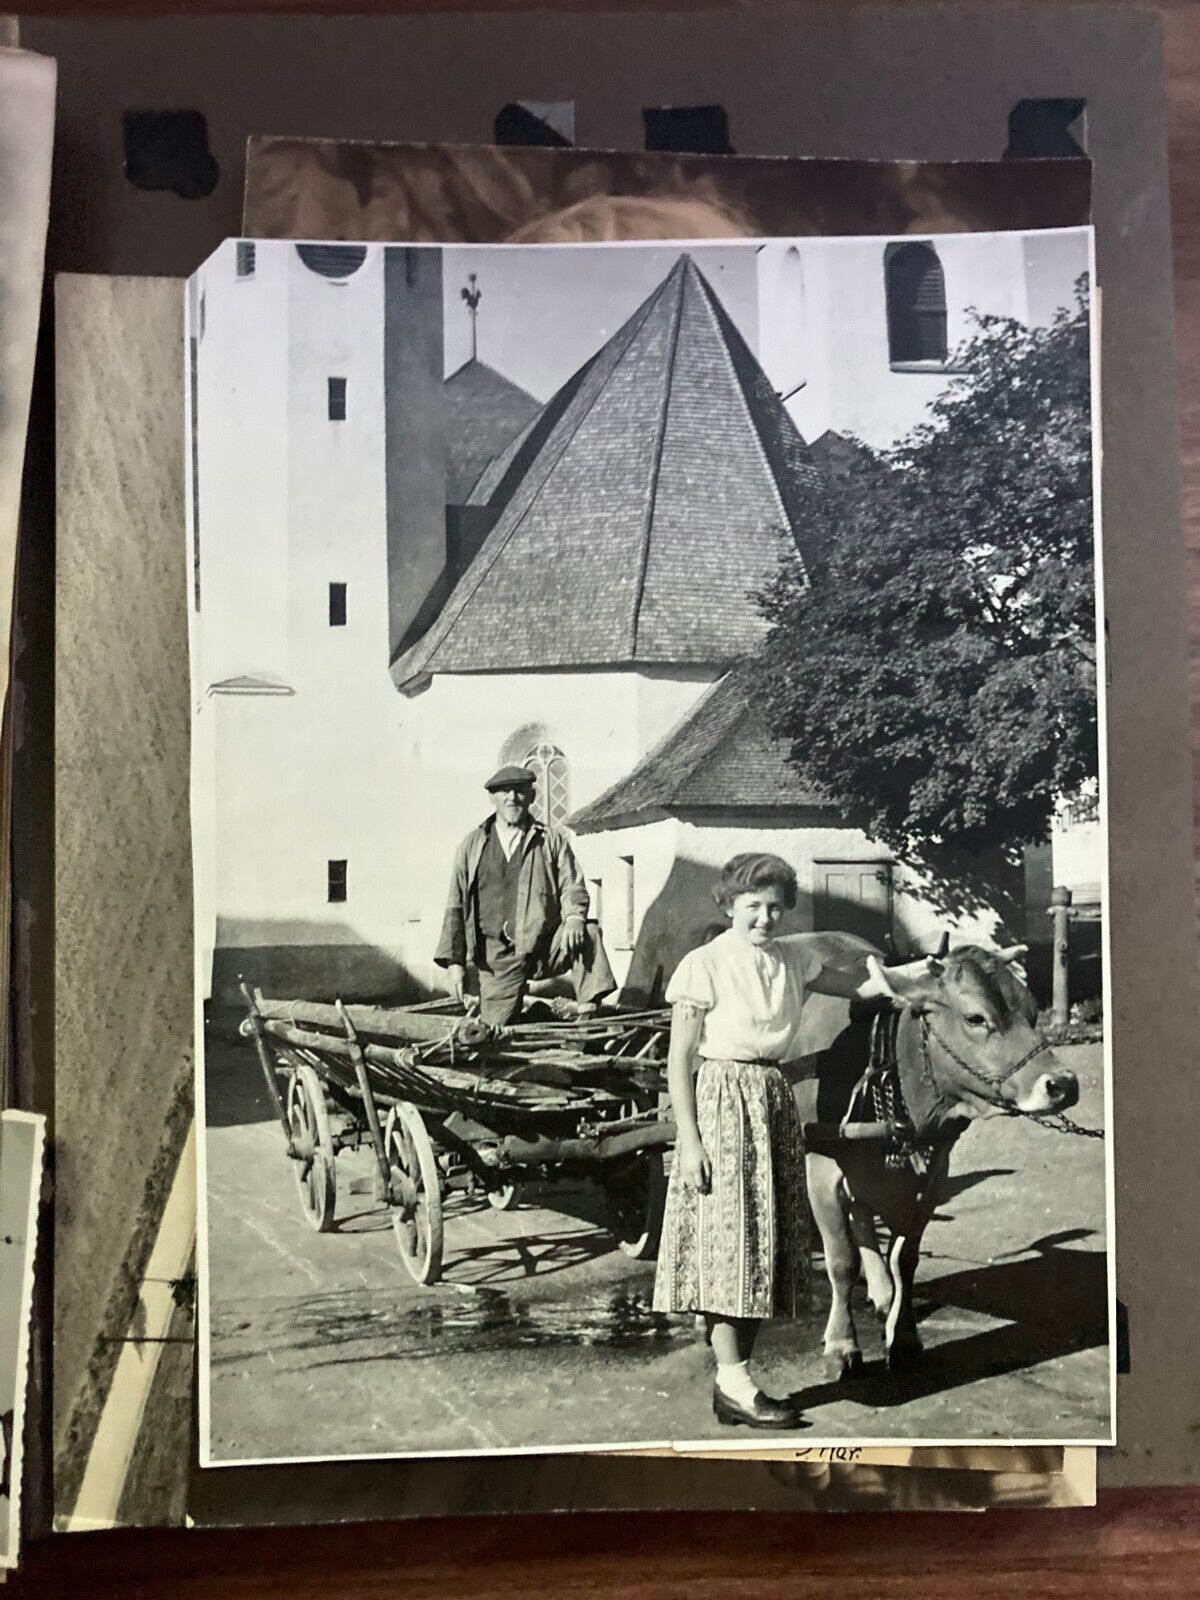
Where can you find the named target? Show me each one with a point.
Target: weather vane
(472, 296)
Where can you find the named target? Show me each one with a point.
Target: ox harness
(879, 1092)
(879, 1095)
(1057, 1120)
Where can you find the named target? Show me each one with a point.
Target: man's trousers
(504, 975)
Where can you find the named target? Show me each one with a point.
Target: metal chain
(1061, 1123)
(1056, 1121)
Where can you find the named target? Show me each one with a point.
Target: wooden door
(854, 897)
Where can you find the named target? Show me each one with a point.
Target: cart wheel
(315, 1174)
(636, 1192)
(504, 1198)
(417, 1187)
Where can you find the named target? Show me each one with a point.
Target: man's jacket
(550, 888)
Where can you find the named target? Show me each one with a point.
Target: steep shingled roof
(642, 507)
(484, 412)
(720, 755)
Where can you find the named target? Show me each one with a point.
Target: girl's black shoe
(763, 1412)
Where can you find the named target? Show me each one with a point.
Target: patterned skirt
(742, 1249)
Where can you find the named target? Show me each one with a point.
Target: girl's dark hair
(755, 870)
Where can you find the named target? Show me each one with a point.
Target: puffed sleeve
(692, 981)
(803, 957)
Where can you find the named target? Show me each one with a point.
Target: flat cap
(509, 778)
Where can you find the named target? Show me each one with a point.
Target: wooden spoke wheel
(312, 1139)
(504, 1198)
(416, 1193)
(636, 1191)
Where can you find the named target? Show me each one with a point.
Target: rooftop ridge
(681, 273)
(637, 516)
(497, 541)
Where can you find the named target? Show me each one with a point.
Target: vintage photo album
(597, 713)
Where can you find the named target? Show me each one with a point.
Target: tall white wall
(243, 444)
(336, 502)
(292, 501)
(837, 342)
(347, 769)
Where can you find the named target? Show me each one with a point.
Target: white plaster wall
(785, 351)
(346, 768)
(1054, 262)
(1077, 852)
(677, 862)
(453, 736)
(665, 695)
(294, 790)
(336, 501)
(652, 847)
(843, 350)
(292, 501)
(243, 446)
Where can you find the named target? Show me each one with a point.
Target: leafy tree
(937, 678)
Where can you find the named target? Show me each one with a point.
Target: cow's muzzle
(1050, 1091)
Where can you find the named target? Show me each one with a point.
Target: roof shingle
(719, 756)
(484, 413)
(642, 507)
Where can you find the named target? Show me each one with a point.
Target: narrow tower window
(337, 882)
(337, 605)
(337, 399)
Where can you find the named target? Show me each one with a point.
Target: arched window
(916, 304)
(552, 799)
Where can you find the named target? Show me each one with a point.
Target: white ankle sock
(736, 1384)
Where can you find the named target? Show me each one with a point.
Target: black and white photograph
(22, 1138)
(649, 846)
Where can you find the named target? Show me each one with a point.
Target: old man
(518, 908)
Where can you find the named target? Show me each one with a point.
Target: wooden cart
(447, 1102)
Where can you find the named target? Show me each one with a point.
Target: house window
(337, 605)
(337, 882)
(627, 927)
(596, 900)
(337, 399)
(551, 803)
(245, 258)
(916, 305)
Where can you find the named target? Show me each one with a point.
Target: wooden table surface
(1143, 1543)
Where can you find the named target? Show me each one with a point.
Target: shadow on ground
(1058, 1305)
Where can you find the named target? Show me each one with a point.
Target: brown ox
(966, 1047)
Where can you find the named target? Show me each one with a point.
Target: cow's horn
(943, 949)
(1012, 953)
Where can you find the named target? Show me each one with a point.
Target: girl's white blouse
(751, 995)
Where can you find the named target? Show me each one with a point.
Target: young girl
(735, 1233)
